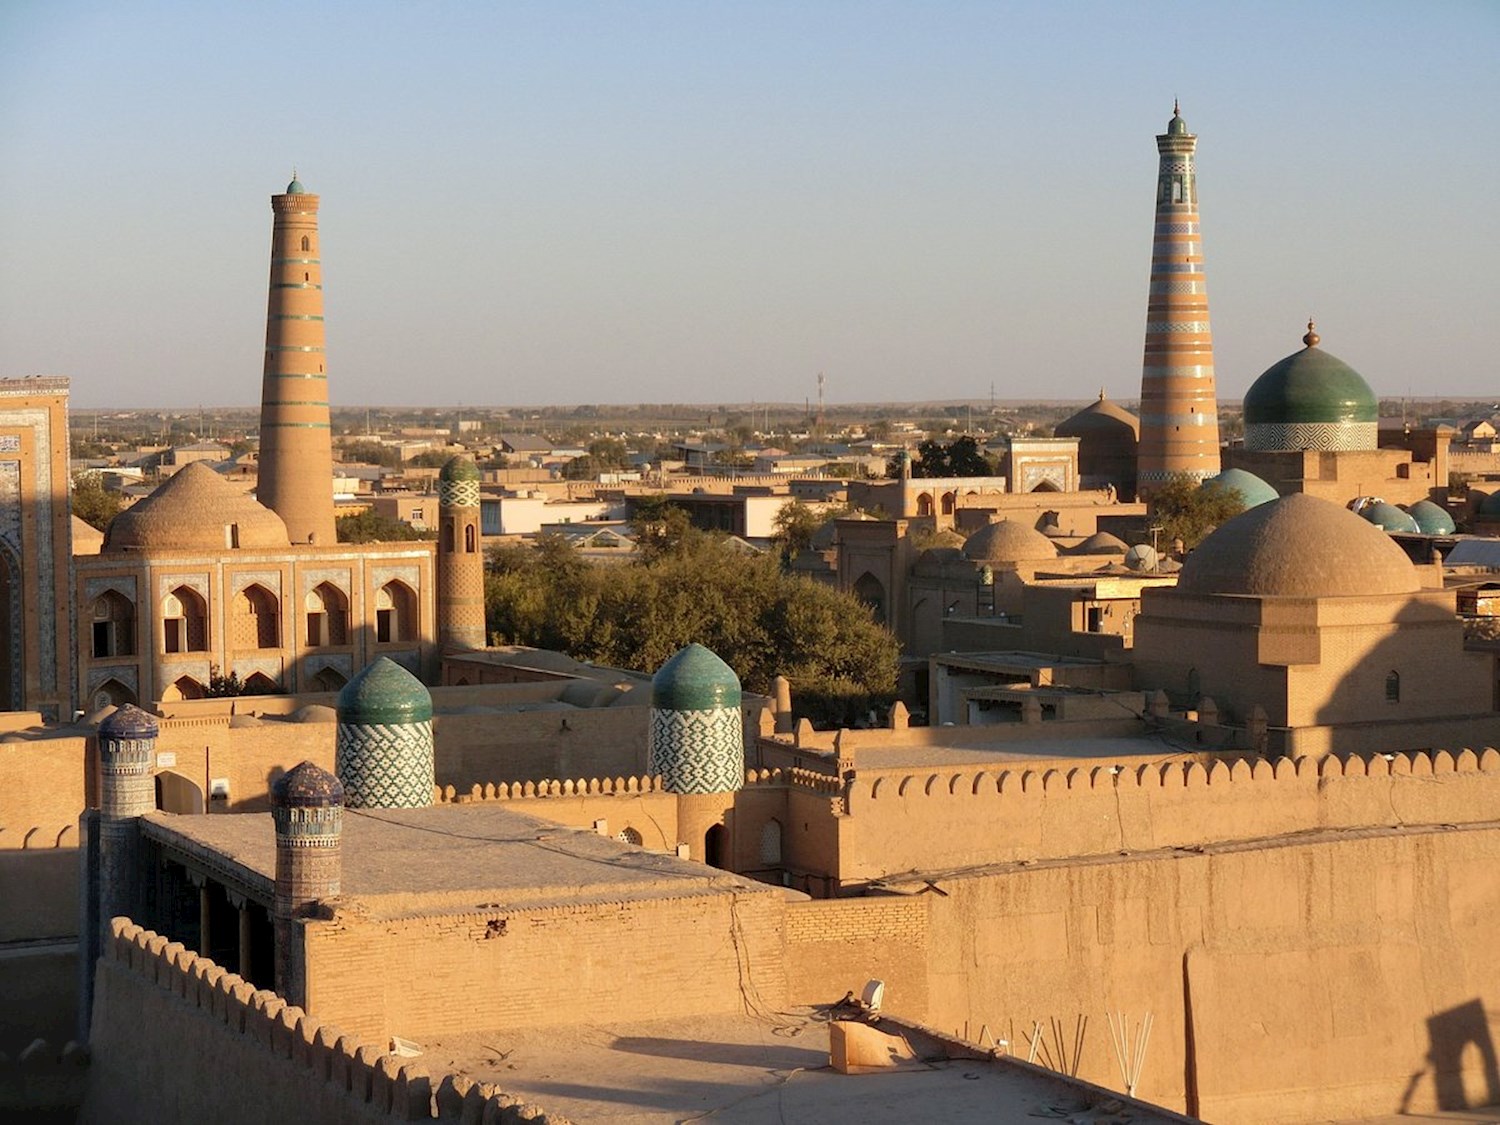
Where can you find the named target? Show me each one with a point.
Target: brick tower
(460, 562)
(307, 806)
(383, 743)
(296, 449)
(1179, 408)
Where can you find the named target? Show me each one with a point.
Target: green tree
(760, 620)
(94, 504)
(660, 527)
(368, 527)
(795, 524)
(429, 459)
(1185, 510)
(371, 453)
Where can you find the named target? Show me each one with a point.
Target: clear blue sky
(554, 202)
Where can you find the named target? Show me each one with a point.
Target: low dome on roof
(384, 693)
(1100, 415)
(1006, 542)
(314, 713)
(128, 722)
(1431, 519)
(1388, 517)
(1298, 546)
(306, 786)
(1100, 543)
(694, 679)
(195, 510)
(947, 538)
(1311, 400)
(459, 468)
(1253, 491)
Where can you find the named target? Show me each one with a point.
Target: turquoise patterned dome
(384, 692)
(697, 739)
(1431, 519)
(128, 722)
(1389, 518)
(1311, 400)
(695, 679)
(1253, 491)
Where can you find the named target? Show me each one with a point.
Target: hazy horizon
(539, 204)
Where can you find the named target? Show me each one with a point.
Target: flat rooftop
(406, 862)
(751, 1070)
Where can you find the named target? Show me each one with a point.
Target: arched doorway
(177, 794)
(714, 846)
(871, 591)
(12, 674)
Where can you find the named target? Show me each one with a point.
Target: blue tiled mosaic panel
(698, 751)
(385, 766)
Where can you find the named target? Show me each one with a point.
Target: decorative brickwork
(386, 766)
(698, 751)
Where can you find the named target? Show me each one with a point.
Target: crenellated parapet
(311, 1063)
(935, 819)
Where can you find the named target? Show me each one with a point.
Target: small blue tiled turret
(697, 733)
(127, 751)
(383, 752)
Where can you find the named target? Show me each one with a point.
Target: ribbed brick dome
(196, 509)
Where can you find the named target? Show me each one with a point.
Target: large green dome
(1311, 400)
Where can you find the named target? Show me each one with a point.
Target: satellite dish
(873, 995)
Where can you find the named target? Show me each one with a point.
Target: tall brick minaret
(296, 447)
(1179, 408)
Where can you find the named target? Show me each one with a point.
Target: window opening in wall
(306, 243)
(469, 544)
(1096, 619)
(1393, 688)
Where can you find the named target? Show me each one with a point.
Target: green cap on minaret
(384, 693)
(295, 187)
(695, 680)
(459, 468)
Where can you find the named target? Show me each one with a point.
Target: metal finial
(1101, 394)
(1312, 338)
(1175, 111)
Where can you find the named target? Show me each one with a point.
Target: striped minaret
(1179, 409)
(296, 452)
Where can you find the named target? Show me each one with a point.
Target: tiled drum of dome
(386, 766)
(698, 751)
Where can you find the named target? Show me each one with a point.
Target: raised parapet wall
(43, 1082)
(177, 1038)
(937, 820)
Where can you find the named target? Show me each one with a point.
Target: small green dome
(386, 693)
(1176, 127)
(459, 468)
(1388, 517)
(1253, 491)
(1310, 386)
(295, 187)
(695, 680)
(1431, 519)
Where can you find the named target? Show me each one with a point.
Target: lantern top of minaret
(295, 187)
(1177, 126)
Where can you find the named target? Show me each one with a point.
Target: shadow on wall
(1453, 1037)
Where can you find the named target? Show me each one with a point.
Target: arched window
(184, 622)
(628, 835)
(114, 625)
(306, 244)
(447, 545)
(327, 616)
(1393, 687)
(870, 591)
(395, 613)
(924, 504)
(112, 693)
(770, 843)
(470, 544)
(256, 619)
(261, 684)
(329, 679)
(184, 687)
(947, 503)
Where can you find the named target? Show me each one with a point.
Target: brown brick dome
(196, 509)
(1008, 542)
(1300, 547)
